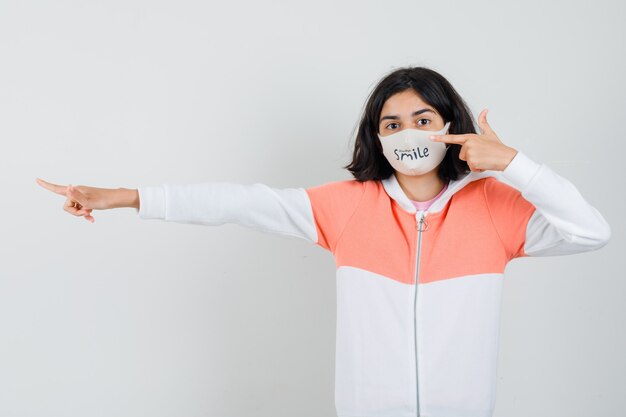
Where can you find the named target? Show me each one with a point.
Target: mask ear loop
(448, 131)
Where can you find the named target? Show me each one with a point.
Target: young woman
(421, 237)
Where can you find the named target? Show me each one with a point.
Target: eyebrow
(415, 113)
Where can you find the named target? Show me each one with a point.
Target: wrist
(127, 197)
(507, 157)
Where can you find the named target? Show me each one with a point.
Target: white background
(131, 317)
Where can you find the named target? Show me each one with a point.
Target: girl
(421, 237)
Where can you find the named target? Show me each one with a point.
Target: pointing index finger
(55, 188)
(459, 139)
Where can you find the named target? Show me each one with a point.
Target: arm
(541, 213)
(281, 211)
(316, 214)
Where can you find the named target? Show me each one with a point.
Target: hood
(393, 189)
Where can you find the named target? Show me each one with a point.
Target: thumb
(482, 122)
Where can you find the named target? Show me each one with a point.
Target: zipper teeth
(417, 264)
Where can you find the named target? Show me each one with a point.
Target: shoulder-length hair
(368, 160)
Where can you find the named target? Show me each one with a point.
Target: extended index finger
(55, 188)
(459, 139)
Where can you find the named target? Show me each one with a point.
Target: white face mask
(411, 152)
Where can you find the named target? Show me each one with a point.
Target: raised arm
(541, 213)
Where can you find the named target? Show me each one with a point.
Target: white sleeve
(285, 211)
(563, 222)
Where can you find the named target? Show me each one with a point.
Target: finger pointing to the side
(55, 188)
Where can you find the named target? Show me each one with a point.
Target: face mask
(411, 152)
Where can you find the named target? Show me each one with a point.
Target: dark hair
(368, 160)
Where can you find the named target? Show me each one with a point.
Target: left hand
(482, 151)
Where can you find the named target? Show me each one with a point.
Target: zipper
(421, 226)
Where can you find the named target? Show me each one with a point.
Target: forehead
(403, 103)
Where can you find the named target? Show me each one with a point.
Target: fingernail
(431, 137)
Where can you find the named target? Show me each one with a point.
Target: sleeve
(281, 211)
(541, 213)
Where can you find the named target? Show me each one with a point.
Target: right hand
(81, 200)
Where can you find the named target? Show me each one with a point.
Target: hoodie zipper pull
(422, 225)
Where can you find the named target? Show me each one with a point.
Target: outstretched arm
(282, 211)
(317, 214)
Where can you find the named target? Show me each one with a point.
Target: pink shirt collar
(424, 205)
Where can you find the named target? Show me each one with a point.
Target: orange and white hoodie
(418, 292)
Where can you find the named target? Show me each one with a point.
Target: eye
(392, 123)
(422, 124)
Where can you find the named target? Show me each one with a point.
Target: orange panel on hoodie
(374, 233)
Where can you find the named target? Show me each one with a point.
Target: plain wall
(130, 317)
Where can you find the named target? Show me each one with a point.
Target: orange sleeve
(333, 205)
(510, 213)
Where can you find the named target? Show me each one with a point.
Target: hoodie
(418, 291)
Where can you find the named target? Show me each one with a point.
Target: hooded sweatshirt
(418, 290)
